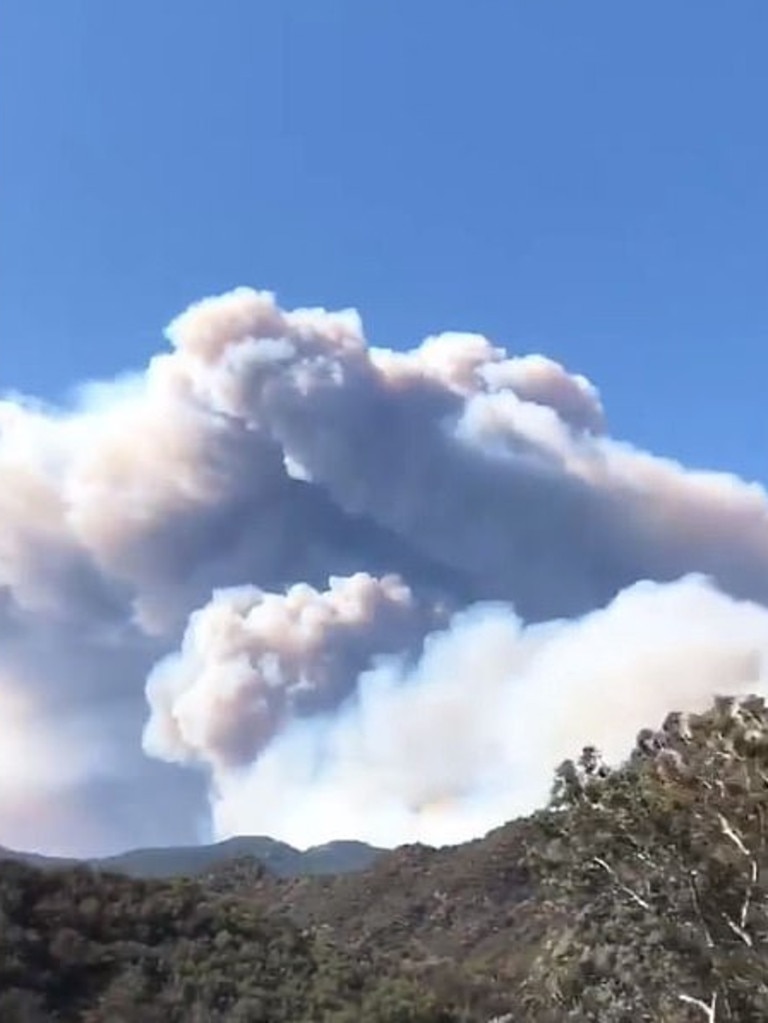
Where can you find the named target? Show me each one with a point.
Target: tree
(665, 859)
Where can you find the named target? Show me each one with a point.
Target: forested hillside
(638, 894)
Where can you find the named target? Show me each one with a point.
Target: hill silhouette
(175, 861)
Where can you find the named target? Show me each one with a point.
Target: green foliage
(77, 945)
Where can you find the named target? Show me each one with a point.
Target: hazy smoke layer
(319, 504)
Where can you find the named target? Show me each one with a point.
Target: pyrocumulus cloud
(344, 588)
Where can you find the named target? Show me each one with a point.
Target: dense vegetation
(657, 877)
(81, 945)
(639, 894)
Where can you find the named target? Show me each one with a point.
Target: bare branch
(708, 1010)
(637, 899)
(739, 928)
(730, 832)
(748, 894)
(738, 931)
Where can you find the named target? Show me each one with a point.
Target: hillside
(78, 945)
(638, 894)
(636, 889)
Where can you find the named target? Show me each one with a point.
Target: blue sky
(585, 178)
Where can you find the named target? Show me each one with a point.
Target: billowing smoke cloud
(439, 447)
(468, 738)
(251, 661)
(317, 505)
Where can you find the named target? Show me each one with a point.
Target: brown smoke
(251, 661)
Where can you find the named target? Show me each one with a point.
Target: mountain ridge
(280, 858)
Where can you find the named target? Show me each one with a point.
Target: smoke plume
(447, 748)
(251, 661)
(336, 586)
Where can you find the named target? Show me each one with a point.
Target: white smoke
(271, 451)
(469, 738)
